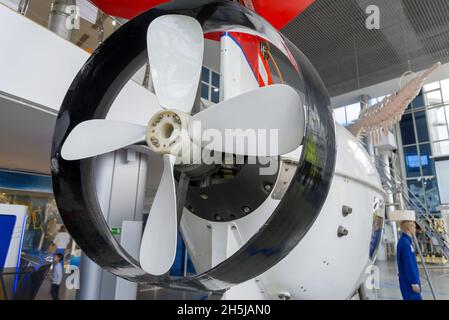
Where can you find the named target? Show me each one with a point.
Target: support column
(61, 13)
(90, 279)
(23, 7)
(120, 180)
(390, 198)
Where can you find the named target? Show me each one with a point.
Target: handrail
(424, 217)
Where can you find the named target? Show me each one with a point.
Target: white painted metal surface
(175, 52)
(322, 266)
(236, 74)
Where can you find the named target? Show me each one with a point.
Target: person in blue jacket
(409, 281)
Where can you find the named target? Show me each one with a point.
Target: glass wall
(424, 136)
(422, 128)
(437, 97)
(41, 222)
(35, 192)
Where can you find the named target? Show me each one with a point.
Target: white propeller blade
(175, 52)
(95, 137)
(276, 107)
(158, 247)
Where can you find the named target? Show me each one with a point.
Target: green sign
(116, 231)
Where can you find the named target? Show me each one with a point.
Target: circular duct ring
(92, 93)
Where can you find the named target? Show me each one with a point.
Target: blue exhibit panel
(7, 223)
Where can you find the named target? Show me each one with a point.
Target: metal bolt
(246, 209)
(267, 187)
(342, 232)
(154, 142)
(284, 296)
(346, 211)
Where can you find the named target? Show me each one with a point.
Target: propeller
(175, 53)
(158, 248)
(95, 137)
(256, 113)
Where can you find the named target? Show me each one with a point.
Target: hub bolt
(246, 209)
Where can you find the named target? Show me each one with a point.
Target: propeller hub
(167, 131)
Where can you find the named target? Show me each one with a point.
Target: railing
(86, 35)
(403, 196)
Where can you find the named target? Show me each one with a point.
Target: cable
(278, 71)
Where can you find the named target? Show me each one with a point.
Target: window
(442, 167)
(340, 116)
(347, 115)
(352, 113)
(407, 130)
(445, 90)
(210, 85)
(416, 189)
(437, 96)
(439, 129)
(432, 86)
(431, 194)
(422, 126)
(426, 160)
(419, 101)
(412, 161)
(422, 131)
(374, 101)
(434, 97)
(441, 147)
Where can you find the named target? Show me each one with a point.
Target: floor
(155, 293)
(64, 293)
(389, 287)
